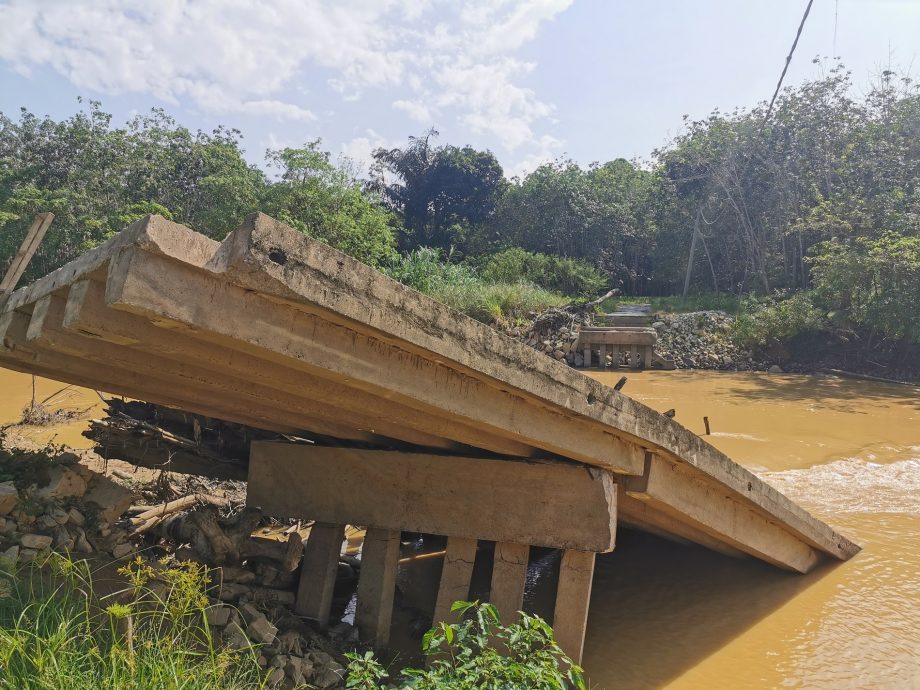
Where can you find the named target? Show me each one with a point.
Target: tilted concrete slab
(274, 329)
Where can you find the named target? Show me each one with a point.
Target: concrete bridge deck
(275, 330)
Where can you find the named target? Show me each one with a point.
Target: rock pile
(63, 506)
(699, 340)
(49, 501)
(696, 340)
(554, 332)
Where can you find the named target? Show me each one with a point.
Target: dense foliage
(97, 179)
(820, 200)
(479, 652)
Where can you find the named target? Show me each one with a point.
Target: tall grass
(461, 287)
(57, 633)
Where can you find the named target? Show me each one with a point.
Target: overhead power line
(782, 76)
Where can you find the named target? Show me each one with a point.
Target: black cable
(782, 76)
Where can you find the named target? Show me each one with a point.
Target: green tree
(443, 194)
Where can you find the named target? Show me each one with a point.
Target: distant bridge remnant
(626, 337)
(275, 330)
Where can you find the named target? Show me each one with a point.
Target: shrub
(461, 288)
(479, 652)
(873, 283)
(773, 322)
(556, 273)
(55, 632)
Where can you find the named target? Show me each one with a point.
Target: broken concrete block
(64, 483)
(111, 498)
(9, 497)
(250, 613)
(35, 541)
(275, 678)
(76, 517)
(63, 541)
(218, 616)
(9, 558)
(122, 550)
(235, 637)
(260, 630)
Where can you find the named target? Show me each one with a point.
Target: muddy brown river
(664, 615)
(670, 616)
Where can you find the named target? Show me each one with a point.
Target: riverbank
(704, 340)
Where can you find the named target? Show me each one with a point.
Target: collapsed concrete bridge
(412, 407)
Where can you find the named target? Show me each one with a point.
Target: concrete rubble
(55, 504)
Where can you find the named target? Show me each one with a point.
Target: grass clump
(461, 287)
(479, 652)
(55, 632)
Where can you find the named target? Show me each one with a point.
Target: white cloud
(548, 149)
(359, 149)
(439, 58)
(416, 110)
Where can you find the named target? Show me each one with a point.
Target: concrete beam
(612, 337)
(170, 294)
(555, 505)
(318, 572)
(509, 575)
(377, 586)
(455, 577)
(674, 490)
(86, 314)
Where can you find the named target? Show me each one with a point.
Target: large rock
(35, 541)
(65, 483)
(9, 496)
(111, 498)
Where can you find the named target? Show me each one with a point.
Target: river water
(666, 615)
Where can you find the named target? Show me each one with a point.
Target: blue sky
(529, 79)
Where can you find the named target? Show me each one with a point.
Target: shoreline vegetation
(804, 227)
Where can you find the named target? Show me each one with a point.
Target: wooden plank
(455, 576)
(317, 574)
(377, 586)
(673, 490)
(27, 249)
(546, 504)
(509, 575)
(573, 597)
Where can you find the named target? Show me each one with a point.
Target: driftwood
(214, 540)
(154, 515)
(163, 438)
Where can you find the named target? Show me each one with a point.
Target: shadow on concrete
(659, 608)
